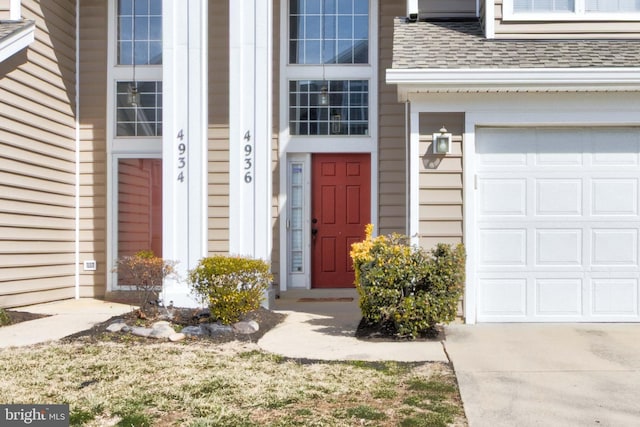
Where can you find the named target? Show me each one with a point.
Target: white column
(184, 145)
(412, 8)
(414, 176)
(250, 121)
(15, 10)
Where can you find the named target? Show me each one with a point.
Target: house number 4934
(182, 155)
(248, 158)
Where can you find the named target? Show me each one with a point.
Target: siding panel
(37, 152)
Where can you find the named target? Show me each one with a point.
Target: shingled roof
(8, 28)
(462, 45)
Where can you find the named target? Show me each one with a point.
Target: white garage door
(557, 223)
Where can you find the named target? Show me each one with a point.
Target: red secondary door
(341, 207)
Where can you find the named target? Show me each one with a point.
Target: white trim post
(251, 130)
(15, 10)
(184, 145)
(412, 9)
(414, 179)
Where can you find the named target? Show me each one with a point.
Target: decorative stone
(141, 332)
(246, 328)
(214, 329)
(192, 331)
(116, 327)
(161, 330)
(177, 337)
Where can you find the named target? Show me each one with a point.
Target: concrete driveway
(548, 374)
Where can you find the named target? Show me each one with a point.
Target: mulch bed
(380, 332)
(182, 317)
(22, 316)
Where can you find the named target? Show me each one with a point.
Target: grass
(230, 385)
(4, 318)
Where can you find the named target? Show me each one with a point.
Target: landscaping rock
(116, 327)
(192, 331)
(141, 332)
(246, 328)
(177, 337)
(213, 329)
(161, 330)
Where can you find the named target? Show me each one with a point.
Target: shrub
(4, 318)
(231, 286)
(404, 289)
(145, 272)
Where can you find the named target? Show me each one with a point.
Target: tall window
(612, 6)
(329, 32)
(139, 55)
(323, 34)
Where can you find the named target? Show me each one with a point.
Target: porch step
(319, 294)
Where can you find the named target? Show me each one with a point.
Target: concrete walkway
(66, 318)
(324, 328)
(548, 374)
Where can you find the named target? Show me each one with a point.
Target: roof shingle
(8, 28)
(462, 45)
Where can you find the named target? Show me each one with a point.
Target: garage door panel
(614, 196)
(559, 197)
(503, 197)
(621, 147)
(553, 150)
(559, 297)
(559, 247)
(614, 247)
(558, 233)
(504, 247)
(615, 296)
(503, 297)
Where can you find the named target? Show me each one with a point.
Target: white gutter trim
(17, 41)
(519, 76)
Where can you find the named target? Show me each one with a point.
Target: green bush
(231, 286)
(4, 318)
(406, 290)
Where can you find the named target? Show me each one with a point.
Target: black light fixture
(323, 99)
(442, 141)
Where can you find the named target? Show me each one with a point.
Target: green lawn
(235, 384)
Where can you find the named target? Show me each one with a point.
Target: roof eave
(513, 80)
(17, 41)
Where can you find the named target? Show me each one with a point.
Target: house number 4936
(182, 155)
(248, 158)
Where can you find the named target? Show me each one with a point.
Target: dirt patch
(179, 318)
(21, 316)
(381, 332)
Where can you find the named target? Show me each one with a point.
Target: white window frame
(579, 14)
(292, 145)
(118, 146)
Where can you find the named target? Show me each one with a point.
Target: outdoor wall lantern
(442, 142)
(324, 97)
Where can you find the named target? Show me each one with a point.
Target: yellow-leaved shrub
(405, 290)
(231, 286)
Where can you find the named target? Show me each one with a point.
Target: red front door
(341, 207)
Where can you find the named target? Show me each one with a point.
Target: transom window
(142, 116)
(335, 107)
(139, 36)
(329, 31)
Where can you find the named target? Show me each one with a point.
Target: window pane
(612, 6)
(143, 28)
(139, 115)
(335, 107)
(327, 31)
(543, 5)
